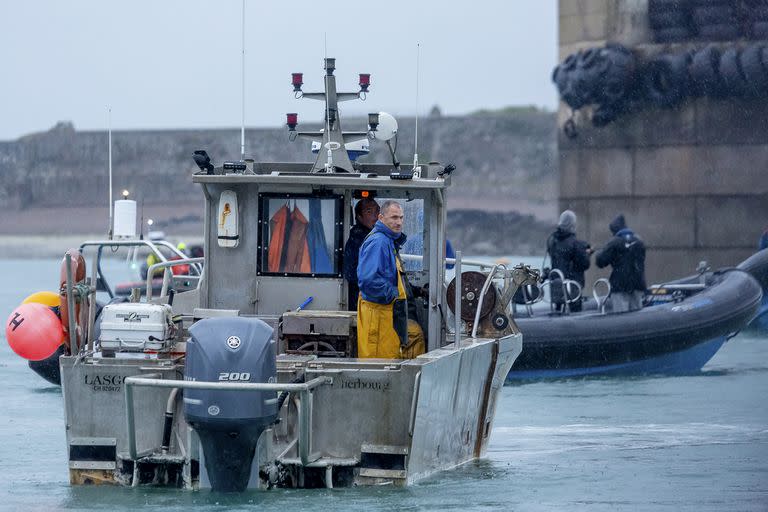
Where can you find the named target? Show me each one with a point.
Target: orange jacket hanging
(297, 259)
(289, 235)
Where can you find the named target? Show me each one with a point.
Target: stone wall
(692, 181)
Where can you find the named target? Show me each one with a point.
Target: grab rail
(601, 299)
(303, 389)
(165, 265)
(486, 285)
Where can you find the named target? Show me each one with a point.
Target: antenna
(109, 143)
(242, 91)
(329, 161)
(416, 169)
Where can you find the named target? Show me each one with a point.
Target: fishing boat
(249, 379)
(681, 327)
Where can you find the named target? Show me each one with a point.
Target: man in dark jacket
(568, 254)
(366, 213)
(625, 252)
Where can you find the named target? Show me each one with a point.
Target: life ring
(78, 277)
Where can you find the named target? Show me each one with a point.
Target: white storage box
(136, 327)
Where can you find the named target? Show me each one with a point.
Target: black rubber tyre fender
(714, 15)
(756, 74)
(618, 78)
(720, 32)
(668, 19)
(730, 70)
(759, 30)
(672, 35)
(705, 74)
(711, 3)
(757, 12)
(666, 80)
(606, 114)
(666, 6)
(572, 93)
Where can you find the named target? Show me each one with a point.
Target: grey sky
(176, 63)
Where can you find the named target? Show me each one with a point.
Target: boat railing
(450, 261)
(567, 286)
(303, 390)
(168, 274)
(601, 299)
(486, 286)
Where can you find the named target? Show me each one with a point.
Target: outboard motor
(229, 423)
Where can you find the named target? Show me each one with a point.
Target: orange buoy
(50, 299)
(34, 331)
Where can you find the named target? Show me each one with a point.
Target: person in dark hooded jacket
(568, 254)
(366, 213)
(625, 252)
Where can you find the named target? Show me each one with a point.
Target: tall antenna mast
(242, 91)
(416, 170)
(329, 161)
(109, 143)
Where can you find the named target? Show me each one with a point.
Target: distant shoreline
(51, 246)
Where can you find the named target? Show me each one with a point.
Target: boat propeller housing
(229, 423)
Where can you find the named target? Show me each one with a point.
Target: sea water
(647, 443)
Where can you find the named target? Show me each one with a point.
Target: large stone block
(730, 222)
(660, 222)
(629, 22)
(595, 173)
(738, 169)
(701, 170)
(666, 170)
(651, 127)
(731, 121)
(583, 7)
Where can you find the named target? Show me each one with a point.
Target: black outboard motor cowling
(229, 423)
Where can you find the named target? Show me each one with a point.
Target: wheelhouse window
(301, 235)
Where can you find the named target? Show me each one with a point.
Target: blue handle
(304, 304)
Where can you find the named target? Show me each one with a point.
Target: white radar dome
(387, 128)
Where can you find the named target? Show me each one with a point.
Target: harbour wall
(691, 180)
(56, 182)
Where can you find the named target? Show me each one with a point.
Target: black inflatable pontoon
(671, 338)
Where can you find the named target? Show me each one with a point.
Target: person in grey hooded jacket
(567, 253)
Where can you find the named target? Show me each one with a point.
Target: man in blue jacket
(383, 329)
(625, 252)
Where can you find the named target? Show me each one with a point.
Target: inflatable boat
(675, 337)
(757, 266)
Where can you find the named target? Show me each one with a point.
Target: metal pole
(305, 412)
(457, 306)
(71, 307)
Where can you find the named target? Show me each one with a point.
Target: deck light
(373, 121)
(292, 120)
(365, 81)
(126, 194)
(150, 222)
(297, 79)
(330, 65)
(203, 161)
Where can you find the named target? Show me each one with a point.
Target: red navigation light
(292, 120)
(365, 81)
(297, 79)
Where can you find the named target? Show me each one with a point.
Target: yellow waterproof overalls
(376, 335)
